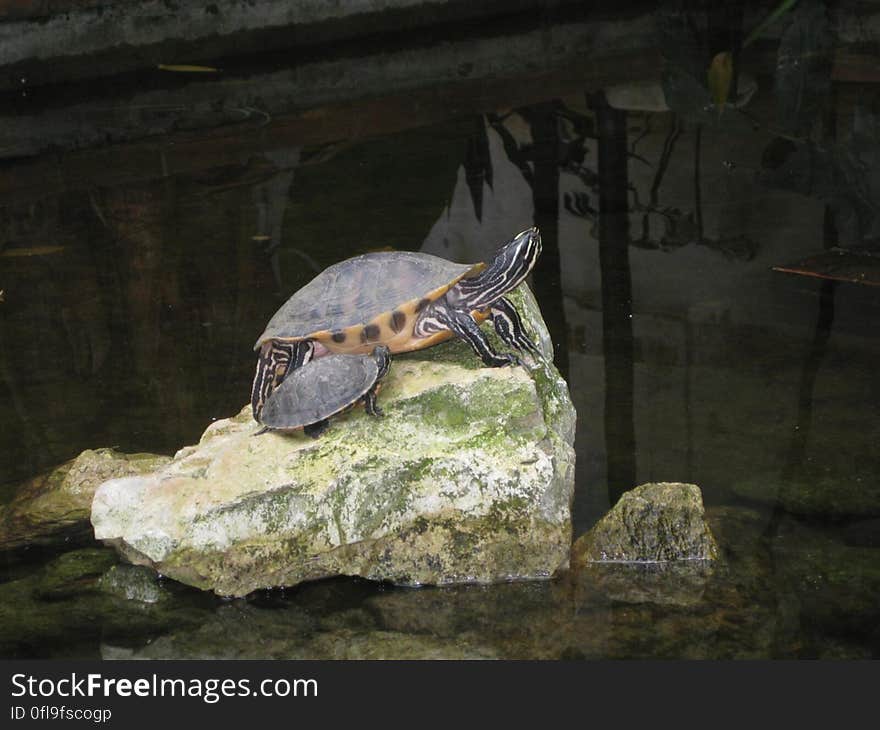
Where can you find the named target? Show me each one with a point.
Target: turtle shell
(362, 301)
(318, 390)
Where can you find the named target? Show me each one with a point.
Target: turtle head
(264, 379)
(512, 263)
(275, 360)
(519, 254)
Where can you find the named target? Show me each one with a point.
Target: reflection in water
(472, 224)
(134, 328)
(795, 467)
(798, 455)
(545, 190)
(270, 199)
(28, 439)
(136, 218)
(617, 312)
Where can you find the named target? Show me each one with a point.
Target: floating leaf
(187, 68)
(691, 91)
(31, 251)
(719, 76)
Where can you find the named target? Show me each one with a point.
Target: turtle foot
(370, 404)
(501, 360)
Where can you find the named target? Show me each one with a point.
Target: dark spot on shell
(338, 336)
(397, 320)
(422, 304)
(370, 333)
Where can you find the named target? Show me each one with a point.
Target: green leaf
(719, 78)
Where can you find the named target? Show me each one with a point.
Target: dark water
(133, 293)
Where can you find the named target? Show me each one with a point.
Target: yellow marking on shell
(371, 333)
(402, 341)
(396, 321)
(422, 343)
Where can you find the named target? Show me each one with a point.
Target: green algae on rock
(468, 478)
(48, 507)
(653, 522)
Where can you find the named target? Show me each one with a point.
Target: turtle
(309, 395)
(403, 300)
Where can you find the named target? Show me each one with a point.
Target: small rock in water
(654, 522)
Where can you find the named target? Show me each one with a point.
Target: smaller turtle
(309, 395)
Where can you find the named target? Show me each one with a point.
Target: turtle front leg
(370, 404)
(463, 325)
(382, 355)
(510, 328)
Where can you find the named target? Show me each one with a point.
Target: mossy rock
(651, 523)
(56, 505)
(468, 478)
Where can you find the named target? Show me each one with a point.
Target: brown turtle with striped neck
(401, 300)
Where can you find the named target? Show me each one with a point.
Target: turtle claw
(501, 360)
(370, 404)
(509, 327)
(532, 348)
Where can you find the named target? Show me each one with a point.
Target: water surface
(130, 308)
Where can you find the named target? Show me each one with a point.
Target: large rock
(467, 478)
(53, 505)
(653, 522)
